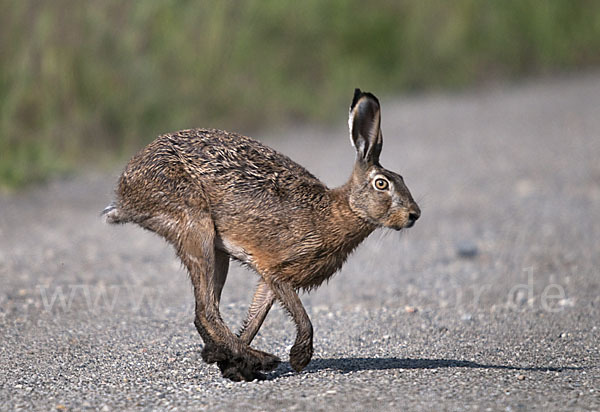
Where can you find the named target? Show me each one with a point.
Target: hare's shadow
(348, 365)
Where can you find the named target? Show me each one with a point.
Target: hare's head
(377, 195)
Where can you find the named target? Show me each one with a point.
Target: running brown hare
(217, 196)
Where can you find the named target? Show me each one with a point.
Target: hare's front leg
(302, 351)
(257, 312)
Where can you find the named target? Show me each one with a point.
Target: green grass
(82, 81)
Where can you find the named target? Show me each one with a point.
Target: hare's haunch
(217, 196)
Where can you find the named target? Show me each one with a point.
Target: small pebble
(466, 249)
(521, 377)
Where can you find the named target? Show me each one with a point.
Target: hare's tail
(112, 214)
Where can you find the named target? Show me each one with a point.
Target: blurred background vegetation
(84, 83)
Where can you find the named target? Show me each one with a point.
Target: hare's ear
(364, 123)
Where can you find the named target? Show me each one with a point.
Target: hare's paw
(264, 361)
(300, 355)
(242, 368)
(238, 369)
(244, 365)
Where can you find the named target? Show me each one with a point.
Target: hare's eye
(381, 184)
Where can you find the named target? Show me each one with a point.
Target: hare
(217, 196)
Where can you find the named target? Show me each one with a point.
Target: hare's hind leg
(268, 362)
(196, 249)
(221, 269)
(302, 351)
(211, 352)
(257, 312)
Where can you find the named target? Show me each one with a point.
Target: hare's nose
(413, 215)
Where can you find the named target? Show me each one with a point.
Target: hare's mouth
(409, 223)
(404, 224)
(403, 219)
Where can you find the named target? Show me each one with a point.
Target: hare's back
(231, 163)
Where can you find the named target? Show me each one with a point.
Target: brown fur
(216, 195)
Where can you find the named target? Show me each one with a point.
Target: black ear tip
(357, 94)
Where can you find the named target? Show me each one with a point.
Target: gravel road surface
(491, 302)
